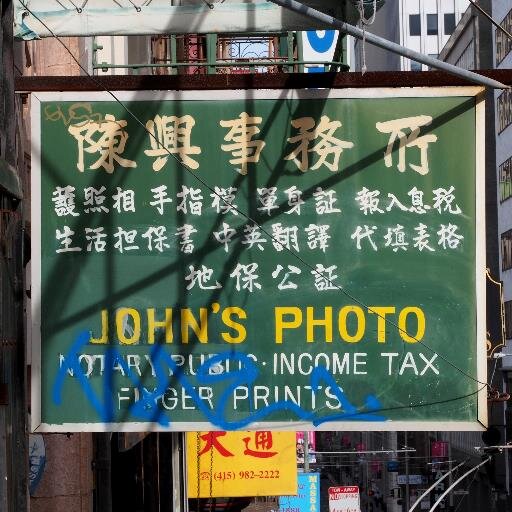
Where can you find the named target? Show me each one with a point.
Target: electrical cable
(411, 406)
(249, 218)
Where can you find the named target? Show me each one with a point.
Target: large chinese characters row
(313, 145)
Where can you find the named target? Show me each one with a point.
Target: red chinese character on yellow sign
(211, 439)
(262, 441)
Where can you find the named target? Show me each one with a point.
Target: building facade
(502, 46)
(477, 44)
(421, 25)
(502, 12)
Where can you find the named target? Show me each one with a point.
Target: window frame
(430, 31)
(506, 252)
(505, 179)
(417, 19)
(451, 24)
(508, 319)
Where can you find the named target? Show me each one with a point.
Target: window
(415, 66)
(504, 110)
(449, 23)
(505, 177)
(414, 25)
(431, 24)
(508, 319)
(506, 250)
(503, 43)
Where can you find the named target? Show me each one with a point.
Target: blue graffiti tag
(146, 408)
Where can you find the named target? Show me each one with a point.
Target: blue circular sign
(320, 43)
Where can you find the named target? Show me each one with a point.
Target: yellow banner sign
(260, 463)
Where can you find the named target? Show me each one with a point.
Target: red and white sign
(344, 498)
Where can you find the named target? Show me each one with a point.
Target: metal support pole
(211, 53)
(283, 48)
(289, 41)
(173, 53)
(179, 473)
(300, 51)
(407, 488)
(388, 45)
(450, 481)
(305, 436)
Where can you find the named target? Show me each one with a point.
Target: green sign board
(261, 259)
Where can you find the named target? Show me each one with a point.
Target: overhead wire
(414, 406)
(313, 269)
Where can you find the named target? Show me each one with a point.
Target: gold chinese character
(110, 142)
(395, 128)
(327, 145)
(171, 135)
(243, 148)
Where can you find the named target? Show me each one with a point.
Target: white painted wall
(425, 43)
(114, 50)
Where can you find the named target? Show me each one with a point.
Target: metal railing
(226, 54)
